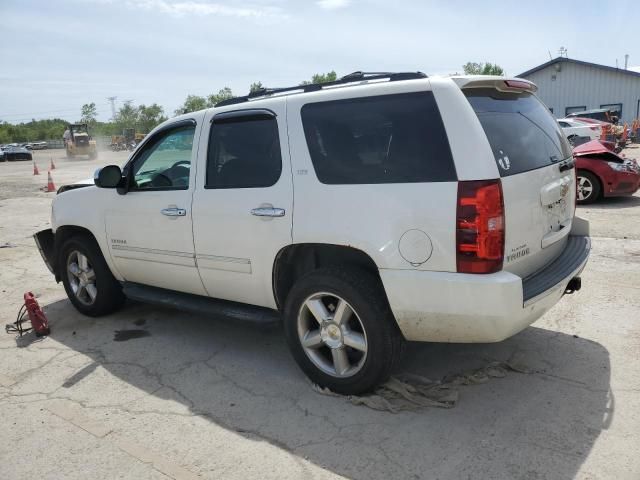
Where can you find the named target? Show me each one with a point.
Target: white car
(574, 128)
(364, 212)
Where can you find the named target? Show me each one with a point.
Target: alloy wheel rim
(82, 278)
(585, 188)
(332, 335)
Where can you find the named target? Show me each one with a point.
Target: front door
(242, 213)
(149, 229)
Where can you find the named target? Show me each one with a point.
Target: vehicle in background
(38, 145)
(12, 153)
(602, 114)
(129, 140)
(603, 173)
(578, 132)
(80, 142)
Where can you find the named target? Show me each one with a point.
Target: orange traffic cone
(35, 168)
(53, 165)
(50, 186)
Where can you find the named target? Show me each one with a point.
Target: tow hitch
(574, 285)
(30, 312)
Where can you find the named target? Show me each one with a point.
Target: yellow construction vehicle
(79, 142)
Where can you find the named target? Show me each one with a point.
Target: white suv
(364, 212)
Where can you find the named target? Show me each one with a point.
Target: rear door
(534, 162)
(242, 210)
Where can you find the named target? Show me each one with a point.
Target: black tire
(109, 297)
(365, 295)
(594, 181)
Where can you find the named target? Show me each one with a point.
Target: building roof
(578, 62)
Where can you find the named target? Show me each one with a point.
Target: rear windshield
(383, 139)
(522, 132)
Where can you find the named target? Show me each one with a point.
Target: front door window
(165, 163)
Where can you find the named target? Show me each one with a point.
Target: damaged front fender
(45, 241)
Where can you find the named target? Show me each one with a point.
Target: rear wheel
(588, 187)
(341, 331)
(87, 279)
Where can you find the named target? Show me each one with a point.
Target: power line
(28, 119)
(3, 115)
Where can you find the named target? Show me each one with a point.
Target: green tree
(149, 117)
(89, 113)
(35, 130)
(214, 98)
(192, 103)
(127, 116)
(322, 78)
(472, 68)
(255, 86)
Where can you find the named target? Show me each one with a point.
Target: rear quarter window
(383, 139)
(521, 131)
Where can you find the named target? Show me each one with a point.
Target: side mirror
(108, 177)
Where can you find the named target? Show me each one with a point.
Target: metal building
(568, 86)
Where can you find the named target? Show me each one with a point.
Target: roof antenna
(549, 52)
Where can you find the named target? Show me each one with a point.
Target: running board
(200, 305)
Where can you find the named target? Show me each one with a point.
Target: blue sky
(59, 54)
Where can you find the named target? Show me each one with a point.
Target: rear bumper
(464, 308)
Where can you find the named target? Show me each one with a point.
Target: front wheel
(588, 187)
(87, 279)
(341, 331)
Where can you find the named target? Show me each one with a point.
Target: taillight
(480, 227)
(524, 85)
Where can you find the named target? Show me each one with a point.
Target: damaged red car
(603, 173)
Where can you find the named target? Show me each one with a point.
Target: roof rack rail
(313, 87)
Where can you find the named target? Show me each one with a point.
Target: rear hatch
(536, 168)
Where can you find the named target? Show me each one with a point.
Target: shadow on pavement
(539, 425)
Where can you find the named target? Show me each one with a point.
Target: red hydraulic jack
(38, 319)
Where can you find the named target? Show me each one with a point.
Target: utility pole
(112, 100)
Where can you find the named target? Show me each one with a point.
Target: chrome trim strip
(152, 251)
(155, 261)
(228, 264)
(218, 258)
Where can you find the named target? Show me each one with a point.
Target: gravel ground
(195, 397)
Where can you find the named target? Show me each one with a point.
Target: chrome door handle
(173, 212)
(268, 212)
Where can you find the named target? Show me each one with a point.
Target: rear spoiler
(502, 84)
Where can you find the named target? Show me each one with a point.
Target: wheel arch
(295, 260)
(64, 233)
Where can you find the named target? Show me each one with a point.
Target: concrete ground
(193, 397)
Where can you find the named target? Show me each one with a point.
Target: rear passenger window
(522, 133)
(244, 152)
(383, 139)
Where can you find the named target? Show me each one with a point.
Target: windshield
(521, 131)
